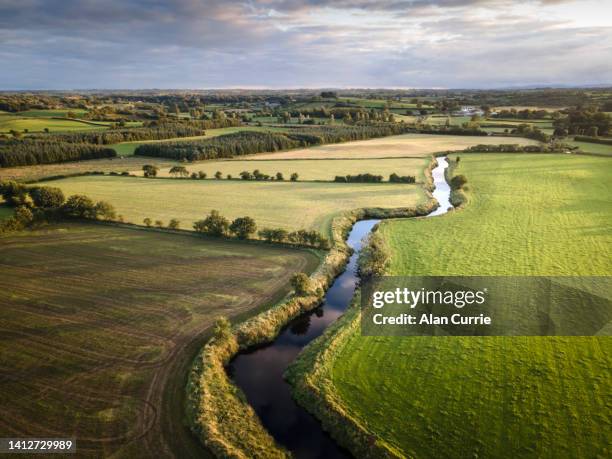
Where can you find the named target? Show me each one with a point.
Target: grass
(5, 212)
(128, 148)
(314, 169)
(288, 205)
(93, 345)
(33, 125)
(29, 173)
(493, 397)
(395, 146)
(61, 113)
(591, 147)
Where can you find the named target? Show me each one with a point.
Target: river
(259, 372)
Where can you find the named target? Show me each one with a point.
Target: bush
(301, 284)
(201, 175)
(458, 181)
(374, 256)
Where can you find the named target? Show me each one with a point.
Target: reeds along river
(259, 372)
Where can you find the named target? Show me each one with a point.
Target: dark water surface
(259, 372)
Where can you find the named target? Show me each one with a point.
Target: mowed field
(492, 397)
(289, 205)
(401, 145)
(132, 163)
(100, 323)
(313, 169)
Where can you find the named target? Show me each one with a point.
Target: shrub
(201, 175)
(218, 175)
(301, 284)
(374, 256)
(458, 181)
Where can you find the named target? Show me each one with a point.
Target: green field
(33, 125)
(394, 146)
(492, 397)
(314, 169)
(289, 205)
(590, 147)
(128, 148)
(100, 325)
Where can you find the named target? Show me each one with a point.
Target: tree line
(30, 152)
(583, 121)
(244, 143)
(216, 225)
(42, 203)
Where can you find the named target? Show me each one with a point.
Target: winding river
(259, 372)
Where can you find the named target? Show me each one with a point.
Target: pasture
(408, 145)
(591, 147)
(100, 324)
(313, 169)
(491, 396)
(289, 205)
(38, 124)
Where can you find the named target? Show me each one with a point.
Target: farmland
(10, 122)
(289, 205)
(100, 323)
(396, 146)
(494, 396)
(118, 165)
(314, 169)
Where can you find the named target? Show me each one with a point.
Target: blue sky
(80, 44)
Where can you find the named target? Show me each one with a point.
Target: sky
(277, 44)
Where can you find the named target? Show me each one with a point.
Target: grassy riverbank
(485, 397)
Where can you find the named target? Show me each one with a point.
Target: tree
(23, 215)
(294, 177)
(245, 175)
(279, 176)
(213, 225)
(243, 227)
(150, 170)
(218, 175)
(159, 223)
(194, 175)
(47, 197)
(180, 171)
(148, 222)
(79, 206)
(201, 175)
(301, 284)
(174, 224)
(105, 211)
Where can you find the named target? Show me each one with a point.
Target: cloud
(306, 43)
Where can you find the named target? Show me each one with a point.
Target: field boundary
(217, 410)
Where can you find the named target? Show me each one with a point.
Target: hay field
(409, 145)
(290, 205)
(312, 169)
(100, 324)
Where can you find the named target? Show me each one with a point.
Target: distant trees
(148, 222)
(294, 177)
(29, 152)
(180, 171)
(394, 178)
(273, 234)
(80, 206)
(359, 178)
(150, 170)
(174, 224)
(279, 176)
(105, 211)
(243, 227)
(585, 121)
(258, 175)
